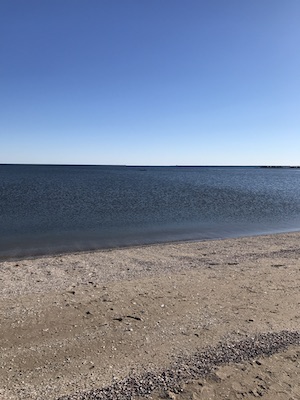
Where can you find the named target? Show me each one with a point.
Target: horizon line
(158, 165)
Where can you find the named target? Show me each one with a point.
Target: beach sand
(197, 320)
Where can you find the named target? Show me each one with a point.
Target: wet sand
(74, 324)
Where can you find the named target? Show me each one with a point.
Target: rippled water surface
(64, 208)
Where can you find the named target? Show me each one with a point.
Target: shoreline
(59, 253)
(82, 321)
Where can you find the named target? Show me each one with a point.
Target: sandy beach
(197, 320)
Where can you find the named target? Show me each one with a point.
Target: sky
(150, 82)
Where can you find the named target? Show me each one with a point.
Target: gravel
(198, 365)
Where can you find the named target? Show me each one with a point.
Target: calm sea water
(48, 209)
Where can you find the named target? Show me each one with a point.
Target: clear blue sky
(214, 82)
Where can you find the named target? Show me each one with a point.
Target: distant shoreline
(150, 166)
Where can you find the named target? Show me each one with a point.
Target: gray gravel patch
(200, 364)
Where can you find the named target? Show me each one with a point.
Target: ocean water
(49, 209)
